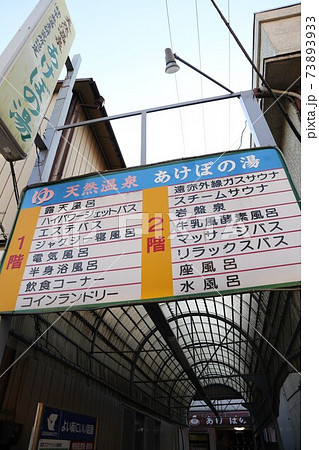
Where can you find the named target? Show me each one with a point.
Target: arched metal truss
(240, 346)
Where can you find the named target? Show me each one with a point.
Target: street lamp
(172, 67)
(258, 126)
(171, 64)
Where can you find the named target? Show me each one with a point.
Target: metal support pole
(143, 138)
(256, 120)
(42, 169)
(34, 439)
(150, 110)
(203, 74)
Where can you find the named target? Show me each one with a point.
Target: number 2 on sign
(155, 225)
(156, 242)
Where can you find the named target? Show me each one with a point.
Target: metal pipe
(150, 110)
(282, 109)
(202, 73)
(14, 181)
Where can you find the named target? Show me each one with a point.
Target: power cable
(176, 85)
(169, 24)
(241, 136)
(201, 80)
(229, 83)
(282, 109)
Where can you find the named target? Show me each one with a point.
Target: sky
(122, 46)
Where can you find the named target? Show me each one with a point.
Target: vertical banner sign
(28, 78)
(197, 227)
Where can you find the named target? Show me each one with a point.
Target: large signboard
(29, 70)
(196, 227)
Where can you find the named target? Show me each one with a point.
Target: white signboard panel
(203, 226)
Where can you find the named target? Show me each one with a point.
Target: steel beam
(254, 116)
(256, 120)
(42, 169)
(157, 316)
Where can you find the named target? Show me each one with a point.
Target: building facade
(277, 55)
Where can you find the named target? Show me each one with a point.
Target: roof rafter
(162, 325)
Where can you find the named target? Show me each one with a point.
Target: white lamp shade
(171, 65)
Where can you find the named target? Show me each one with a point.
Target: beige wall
(83, 154)
(277, 32)
(277, 47)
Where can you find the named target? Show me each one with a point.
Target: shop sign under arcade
(197, 227)
(203, 420)
(58, 429)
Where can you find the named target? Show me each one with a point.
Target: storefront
(230, 431)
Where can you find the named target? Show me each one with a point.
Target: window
(140, 432)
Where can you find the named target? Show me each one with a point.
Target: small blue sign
(65, 425)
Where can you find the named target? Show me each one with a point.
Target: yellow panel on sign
(16, 258)
(156, 245)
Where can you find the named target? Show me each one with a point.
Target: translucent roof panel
(209, 348)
